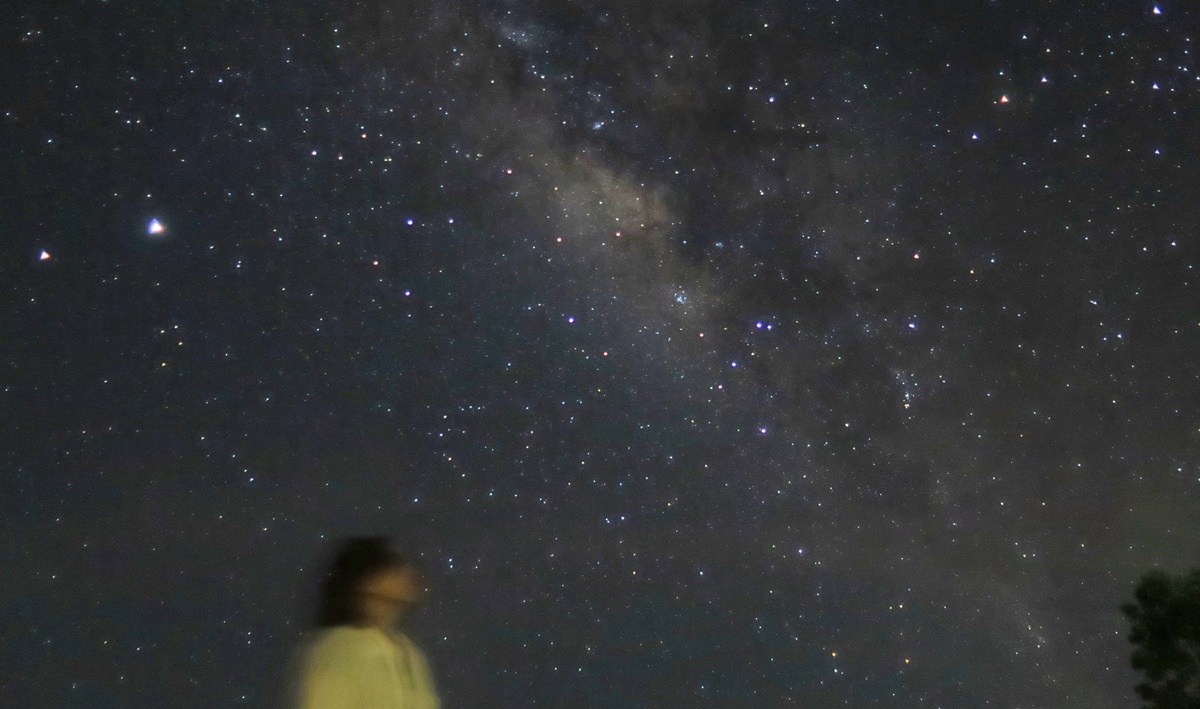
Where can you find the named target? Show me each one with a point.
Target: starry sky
(826, 353)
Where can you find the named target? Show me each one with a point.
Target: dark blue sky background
(708, 354)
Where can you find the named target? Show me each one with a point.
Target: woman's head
(369, 583)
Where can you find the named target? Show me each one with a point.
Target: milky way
(730, 354)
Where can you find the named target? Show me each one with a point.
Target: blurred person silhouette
(359, 657)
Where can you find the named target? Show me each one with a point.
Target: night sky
(744, 354)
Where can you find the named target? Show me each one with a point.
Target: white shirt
(365, 668)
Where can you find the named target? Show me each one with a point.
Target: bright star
(156, 227)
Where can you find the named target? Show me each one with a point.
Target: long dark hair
(356, 560)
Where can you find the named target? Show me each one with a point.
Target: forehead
(394, 577)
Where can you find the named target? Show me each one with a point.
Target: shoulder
(345, 644)
(341, 669)
(407, 644)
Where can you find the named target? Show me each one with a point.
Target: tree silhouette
(1165, 632)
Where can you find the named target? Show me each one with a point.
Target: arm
(332, 677)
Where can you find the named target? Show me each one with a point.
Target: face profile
(387, 596)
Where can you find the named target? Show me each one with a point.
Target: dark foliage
(1165, 619)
